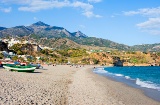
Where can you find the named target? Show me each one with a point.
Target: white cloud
(35, 18)
(16, 1)
(87, 9)
(152, 26)
(6, 10)
(90, 14)
(151, 12)
(37, 5)
(85, 6)
(94, 1)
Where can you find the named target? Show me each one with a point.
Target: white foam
(147, 84)
(127, 77)
(100, 70)
(119, 75)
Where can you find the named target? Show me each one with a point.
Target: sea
(146, 78)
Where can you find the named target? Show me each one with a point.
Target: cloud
(151, 12)
(35, 18)
(37, 5)
(152, 24)
(94, 1)
(87, 9)
(85, 6)
(15, 1)
(6, 10)
(90, 14)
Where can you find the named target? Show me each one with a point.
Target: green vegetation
(16, 47)
(95, 61)
(80, 56)
(65, 54)
(1, 56)
(15, 58)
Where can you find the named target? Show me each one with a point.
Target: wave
(100, 71)
(119, 75)
(135, 81)
(147, 84)
(127, 77)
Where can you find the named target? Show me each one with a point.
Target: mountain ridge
(42, 30)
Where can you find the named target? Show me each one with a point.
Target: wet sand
(65, 85)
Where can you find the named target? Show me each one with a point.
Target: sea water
(146, 78)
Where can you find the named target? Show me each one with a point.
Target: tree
(16, 47)
(15, 58)
(19, 52)
(95, 61)
(29, 59)
(1, 56)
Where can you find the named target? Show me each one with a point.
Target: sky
(130, 22)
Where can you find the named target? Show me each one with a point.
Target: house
(31, 47)
(36, 47)
(12, 42)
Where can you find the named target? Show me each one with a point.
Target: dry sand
(65, 85)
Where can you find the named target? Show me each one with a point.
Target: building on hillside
(36, 47)
(31, 47)
(5, 40)
(25, 42)
(44, 47)
(12, 42)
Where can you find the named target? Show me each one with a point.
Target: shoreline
(149, 92)
(65, 85)
(134, 96)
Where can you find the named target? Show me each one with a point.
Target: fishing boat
(18, 68)
(36, 65)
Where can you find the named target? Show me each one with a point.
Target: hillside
(78, 39)
(2, 28)
(65, 43)
(147, 47)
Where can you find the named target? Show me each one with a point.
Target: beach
(65, 85)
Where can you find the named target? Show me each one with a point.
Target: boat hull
(19, 68)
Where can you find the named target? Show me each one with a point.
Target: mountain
(2, 28)
(65, 43)
(147, 47)
(16, 31)
(40, 30)
(93, 41)
(39, 23)
(79, 34)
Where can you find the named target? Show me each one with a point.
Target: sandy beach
(65, 85)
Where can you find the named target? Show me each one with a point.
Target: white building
(12, 42)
